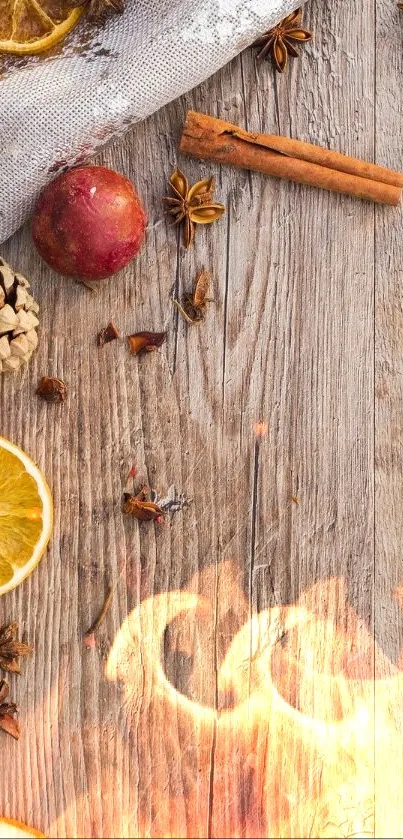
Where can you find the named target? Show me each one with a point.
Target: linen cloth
(57, 110)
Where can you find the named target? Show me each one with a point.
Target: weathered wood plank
(388, 426)
(288, 342)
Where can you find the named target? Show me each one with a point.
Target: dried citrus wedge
(26, 515)
(28, 27)
(10, 829)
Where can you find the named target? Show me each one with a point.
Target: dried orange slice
(26, 515)
(10, 829)
(28, 27)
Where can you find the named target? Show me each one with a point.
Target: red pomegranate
(88, 223)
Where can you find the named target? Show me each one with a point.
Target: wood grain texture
(243, 705)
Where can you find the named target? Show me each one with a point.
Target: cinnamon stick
(215, 139)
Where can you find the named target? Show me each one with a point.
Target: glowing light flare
(260, 428)
(11, 829)
(293, 733)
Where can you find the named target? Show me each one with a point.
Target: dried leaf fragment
(139, 503)
(52, 389)
(11, 648)
(279, 42)
(143, 510)
(8, 713)
(192, 205)
(142, 342)
(107, 334)
(192, 306)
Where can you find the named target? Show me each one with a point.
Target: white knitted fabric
(58, 110)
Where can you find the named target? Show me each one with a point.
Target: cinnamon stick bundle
(215, 139)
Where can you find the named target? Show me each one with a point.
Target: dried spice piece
(100, 10)
(8, 713)
(142, 342)
(52, 389)
(279, 42)
(193, 306)
(108, 334)
(209, 138)
(139, 504)
(192, 205)
(11, 648)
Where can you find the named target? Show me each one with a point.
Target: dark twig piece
(102, 614)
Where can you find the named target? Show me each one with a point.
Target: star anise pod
(279, 42)
(8, 713)
(11, 648)
(192, 205)
(193, 306)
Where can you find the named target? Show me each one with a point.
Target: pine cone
(18, 320)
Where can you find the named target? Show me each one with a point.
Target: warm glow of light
(293, 736)
(10, 829)
(298, 732)
(260, 428)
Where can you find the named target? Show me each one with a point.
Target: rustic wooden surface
(305, 335)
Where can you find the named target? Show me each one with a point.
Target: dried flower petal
(8, 713)
(108, 334)
(52, 389)
(11, 649)
(145, 341)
